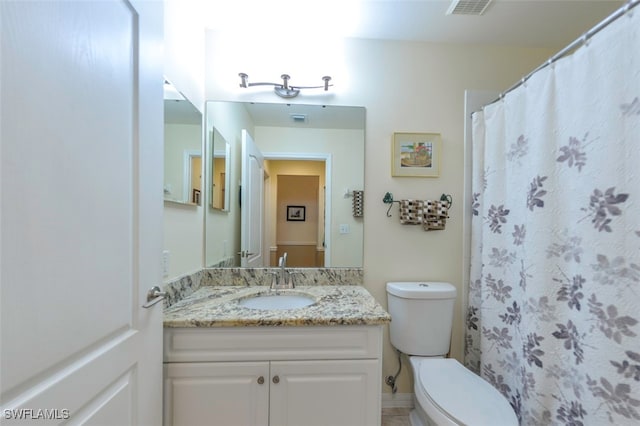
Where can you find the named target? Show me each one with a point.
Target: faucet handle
(274, 279)
(290, 276)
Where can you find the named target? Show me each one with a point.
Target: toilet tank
(421, 317)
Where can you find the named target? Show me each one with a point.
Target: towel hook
(388, 199)
(448, 198)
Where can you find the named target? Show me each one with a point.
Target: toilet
(446, 392)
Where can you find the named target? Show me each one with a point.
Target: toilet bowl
(445, 392)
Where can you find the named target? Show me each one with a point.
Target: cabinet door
(220, 393)
(325, 393)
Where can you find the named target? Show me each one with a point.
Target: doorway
(298, 220)
(295, 211)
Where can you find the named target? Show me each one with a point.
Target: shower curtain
(554, 291)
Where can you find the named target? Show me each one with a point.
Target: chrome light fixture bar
(284, 90)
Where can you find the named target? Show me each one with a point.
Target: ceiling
(526, 23)
(313, 116)
(533, 23)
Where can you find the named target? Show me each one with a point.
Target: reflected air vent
(468, 7)
(298, 118)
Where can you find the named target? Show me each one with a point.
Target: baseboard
(397, 400)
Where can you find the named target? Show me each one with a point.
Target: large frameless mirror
(182, 148)
(218, 179)
(312, 158)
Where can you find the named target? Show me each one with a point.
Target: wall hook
(388, 199)
(448, 198)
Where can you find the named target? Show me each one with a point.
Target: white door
(252, 200)
(81, 212)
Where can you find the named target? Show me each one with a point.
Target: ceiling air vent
(468, 7)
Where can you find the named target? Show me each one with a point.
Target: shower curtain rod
(575, 44)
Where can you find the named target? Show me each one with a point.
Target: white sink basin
(277, 301)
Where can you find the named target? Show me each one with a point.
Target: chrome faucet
(282, 264)
(282, 279)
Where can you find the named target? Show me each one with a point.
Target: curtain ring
(551, 63)
(627, 9)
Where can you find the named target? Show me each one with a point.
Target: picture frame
(195, 196)
(416, 154)
(296, 213)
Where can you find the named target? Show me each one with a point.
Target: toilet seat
(451, 394)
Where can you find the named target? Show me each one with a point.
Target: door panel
(323, 393)
(252, 209)
(218, 393)
(75, 256)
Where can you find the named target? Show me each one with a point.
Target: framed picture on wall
(416, 154)
(296, 213)
(195, 196)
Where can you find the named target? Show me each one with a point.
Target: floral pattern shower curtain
(554, 293)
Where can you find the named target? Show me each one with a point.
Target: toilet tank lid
(422, 290)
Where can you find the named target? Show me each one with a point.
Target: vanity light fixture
(284, 90)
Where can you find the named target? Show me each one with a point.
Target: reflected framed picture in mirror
(296, 213)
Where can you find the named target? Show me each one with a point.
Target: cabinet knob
(260, 380)
(276, 379)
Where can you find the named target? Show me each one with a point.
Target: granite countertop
(217, 306)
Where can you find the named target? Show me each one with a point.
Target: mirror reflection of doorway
(294, 184)
(298, 238)
(195, 171)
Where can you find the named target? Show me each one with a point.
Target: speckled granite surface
(217, 306)
(182, 287)
(301, 276)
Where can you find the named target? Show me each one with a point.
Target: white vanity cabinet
(277, 376)
(216, 393)
(338, 392)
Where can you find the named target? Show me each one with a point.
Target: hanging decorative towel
(431, 214)
(358, 203)
(411, 212)
(435, 215)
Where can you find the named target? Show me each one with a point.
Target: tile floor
(395, 416)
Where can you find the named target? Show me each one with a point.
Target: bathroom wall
(405, 87)
(184, 49)
(184, 67)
